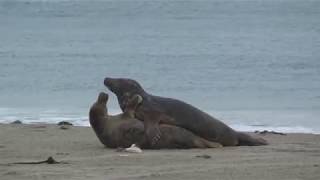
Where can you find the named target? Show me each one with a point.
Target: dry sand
(294, 156)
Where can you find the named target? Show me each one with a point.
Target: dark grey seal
(155, 110)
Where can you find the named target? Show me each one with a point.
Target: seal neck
(129, 113)
(98, 119)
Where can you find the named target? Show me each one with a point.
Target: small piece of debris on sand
(50, 160)
(65, 127)
(16, 122)
(204, 156)
(64, 123)
(269, 132)
(132, 149)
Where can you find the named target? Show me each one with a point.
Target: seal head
(123, 88)
(103, 98)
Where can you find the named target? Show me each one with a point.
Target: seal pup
(155, 109)
(123, 130)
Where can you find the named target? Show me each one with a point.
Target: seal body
(123, 130)
(156, 110)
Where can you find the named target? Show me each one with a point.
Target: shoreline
(237, 127)
(291, 156)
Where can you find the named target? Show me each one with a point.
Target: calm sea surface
(253, 64)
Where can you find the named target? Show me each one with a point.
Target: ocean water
(255, 64)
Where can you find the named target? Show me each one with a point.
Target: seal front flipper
(151, 127)
(152, 119)
(151, 123)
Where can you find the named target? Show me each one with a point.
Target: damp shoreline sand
(291, 156)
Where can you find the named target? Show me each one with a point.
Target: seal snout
(107, 81)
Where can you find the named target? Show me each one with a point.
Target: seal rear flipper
(203, 143)
(211, 144)
(247, 140)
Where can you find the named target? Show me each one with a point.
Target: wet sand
(292, 156)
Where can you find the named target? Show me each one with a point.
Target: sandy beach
(81, 156)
